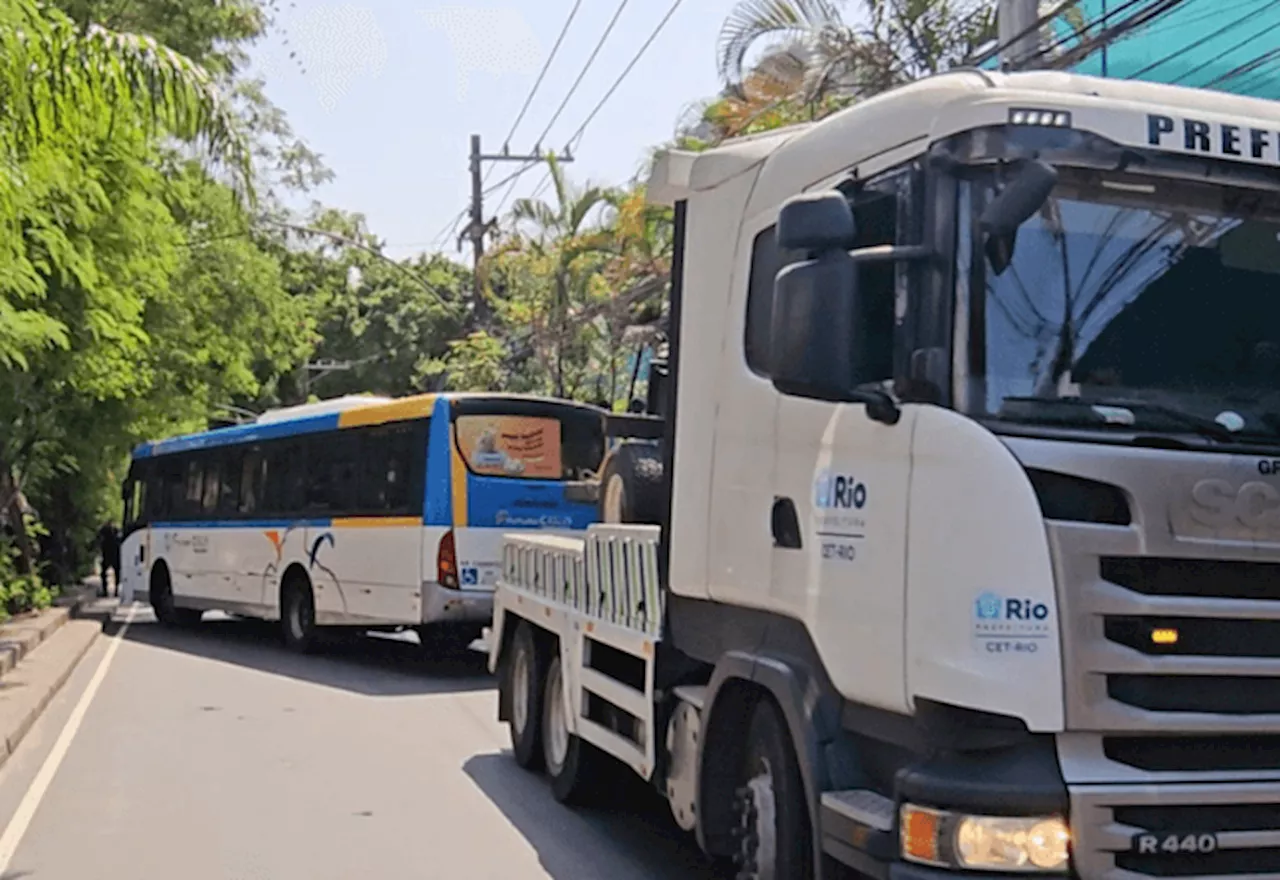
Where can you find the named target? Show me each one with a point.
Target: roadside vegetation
(142, 178)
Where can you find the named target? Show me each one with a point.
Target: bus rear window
(528, 447)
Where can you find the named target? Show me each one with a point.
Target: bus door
(135, 534)
(511, 468)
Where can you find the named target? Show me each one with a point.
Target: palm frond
(50, 69)
(751, 21)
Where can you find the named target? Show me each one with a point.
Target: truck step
(861, 806)
(857, 830)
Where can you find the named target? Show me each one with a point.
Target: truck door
(840, 510)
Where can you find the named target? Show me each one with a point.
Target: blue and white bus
(359, 512)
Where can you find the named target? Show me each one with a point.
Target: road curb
(27, 689)
(19, 638)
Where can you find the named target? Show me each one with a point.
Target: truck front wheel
(772, 817)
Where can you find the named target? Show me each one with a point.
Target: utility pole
(1016, 31)
(324, 367)
(477, 228)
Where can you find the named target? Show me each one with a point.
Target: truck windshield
(1129, 303)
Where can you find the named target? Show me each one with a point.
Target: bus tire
(298, 615)
(165, 606)
(525, 672)
(632, 487)
(574, 765)
(773, 828)
(161, 594)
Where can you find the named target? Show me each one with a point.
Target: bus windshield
(1139, 303)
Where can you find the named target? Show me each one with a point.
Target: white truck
(959, 552)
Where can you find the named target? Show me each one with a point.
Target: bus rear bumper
(445, 605)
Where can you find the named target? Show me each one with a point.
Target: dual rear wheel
(539, 720)
(772, 832)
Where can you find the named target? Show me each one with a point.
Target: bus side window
(386, 471)
(284, 470)
(252, 478)
(212, 485)
(190, 505)
(232, 463)
(172, 491)
(331, 473)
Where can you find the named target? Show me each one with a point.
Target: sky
(390, 91)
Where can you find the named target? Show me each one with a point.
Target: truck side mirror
(1013, 206)
(819, 339)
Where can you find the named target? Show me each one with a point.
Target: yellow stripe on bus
(458, 483)
(375, 522)
(380, 413)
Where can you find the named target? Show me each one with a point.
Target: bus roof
(351, 413)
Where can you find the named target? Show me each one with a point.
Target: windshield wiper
(1197, 424)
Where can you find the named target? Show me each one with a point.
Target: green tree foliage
(147, 290)
(388, 322)
(88, 241)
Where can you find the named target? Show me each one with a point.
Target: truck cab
(969, 550)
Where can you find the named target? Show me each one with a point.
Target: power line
(1248, 70)
(577, 135)
(502, 203)
(1190, 20)
(1035, 27)
(617, 13)
(1195, 45)
(538, 82)
(1076, 33)
(582, 73)
(1224, 53)
(510, 178)
(1111, 34)
(447, 232)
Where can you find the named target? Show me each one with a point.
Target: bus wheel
(298, 616)
(524, 682)
(162, 597)
(574, 765)
(772, 817)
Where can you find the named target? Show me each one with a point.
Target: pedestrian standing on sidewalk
(109, 546)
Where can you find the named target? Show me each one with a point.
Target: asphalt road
(216, 755)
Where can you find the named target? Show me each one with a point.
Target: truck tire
(632, 486)
(574, 765)
(525, 672)
(298, 615)
(773, 829)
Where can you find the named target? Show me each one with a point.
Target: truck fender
(798, 694)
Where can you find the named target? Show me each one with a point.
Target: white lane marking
(26, 811)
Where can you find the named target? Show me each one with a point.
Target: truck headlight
(984, 843)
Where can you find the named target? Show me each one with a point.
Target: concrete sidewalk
(37, 654)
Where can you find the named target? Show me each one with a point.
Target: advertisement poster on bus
(511, 446)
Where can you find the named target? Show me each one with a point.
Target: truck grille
(1243, 821)
(1161, 643)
